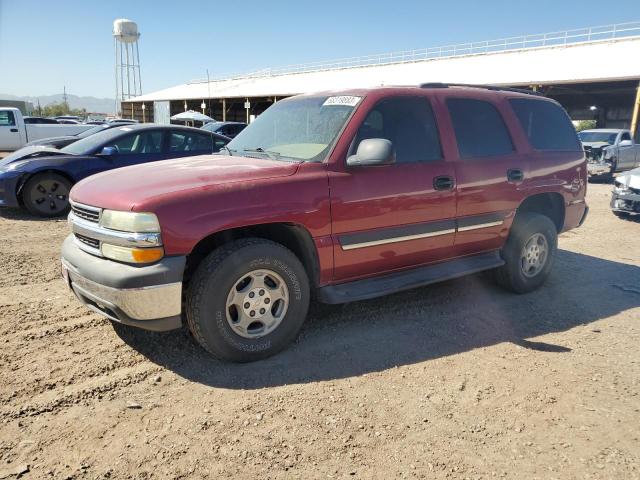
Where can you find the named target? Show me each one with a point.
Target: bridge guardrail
(561, 38)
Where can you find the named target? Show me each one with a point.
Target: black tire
(47, 195)
(512, 275)
(206, 299)
(624, 215)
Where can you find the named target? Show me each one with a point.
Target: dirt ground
(458, 380)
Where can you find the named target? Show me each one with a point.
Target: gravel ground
(457, 380)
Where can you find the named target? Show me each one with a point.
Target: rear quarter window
(479, 128)
(546, 124)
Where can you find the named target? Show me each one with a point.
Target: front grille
(86, 213)
(91, 242)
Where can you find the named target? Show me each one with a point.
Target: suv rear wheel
(528, 253)
(247, 300)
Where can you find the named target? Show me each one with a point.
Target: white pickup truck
(14, 133)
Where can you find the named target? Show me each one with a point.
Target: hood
(124, 188)
(630, 179)
(595, 144)
(30, 152)
(53, 140)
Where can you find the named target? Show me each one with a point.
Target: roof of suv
(486, 91)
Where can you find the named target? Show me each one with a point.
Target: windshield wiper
(271, 154)
(224, 147)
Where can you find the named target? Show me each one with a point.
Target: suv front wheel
(247, 300)
(528, 253)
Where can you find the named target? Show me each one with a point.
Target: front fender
(609, 152)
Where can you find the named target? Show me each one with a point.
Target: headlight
(135, 223)
(620, 187)
(132, 255)
(130, 221)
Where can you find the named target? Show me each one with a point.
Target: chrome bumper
(145, 303)
(146, 297)
(598, 168)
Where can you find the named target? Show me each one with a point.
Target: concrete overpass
(593, 72)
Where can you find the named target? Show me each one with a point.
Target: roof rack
(486, 87)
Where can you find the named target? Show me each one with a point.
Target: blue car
(41, 181)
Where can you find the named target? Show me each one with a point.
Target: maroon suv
(342, 196)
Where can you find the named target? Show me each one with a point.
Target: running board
(408, 279)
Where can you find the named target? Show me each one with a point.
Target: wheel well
(294, 237)
(26, 177)
(548, 204)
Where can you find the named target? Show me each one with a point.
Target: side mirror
(373, 151)
(625, 143)
(107, 152)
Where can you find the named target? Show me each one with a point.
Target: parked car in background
(42, 148)
(337, 196)
(68, 117)
(63, 141)
(15, 133)
(65, 121)
(42, 184)
(122, 120)
(625, 199)
(39, 121)
(228, 129)
(609, 150)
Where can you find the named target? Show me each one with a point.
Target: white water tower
(125, 41)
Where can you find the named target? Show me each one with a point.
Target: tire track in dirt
(72, 377)
(91, 389)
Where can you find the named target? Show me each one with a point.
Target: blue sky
(50, 43)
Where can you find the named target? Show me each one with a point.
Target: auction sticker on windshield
(342, 100)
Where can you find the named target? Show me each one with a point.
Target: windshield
(90, 144)
(592, 137)
(300, 128)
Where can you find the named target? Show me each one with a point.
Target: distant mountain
(91, 104)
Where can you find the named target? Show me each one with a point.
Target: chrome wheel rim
(534, 255)
(257, 303)
(49, 196)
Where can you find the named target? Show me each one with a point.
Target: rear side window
(546, 124)
(479, 127)
(181, 141)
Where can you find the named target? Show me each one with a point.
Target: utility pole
(65, 103)
(635, 133)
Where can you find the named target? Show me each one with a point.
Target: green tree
(585, 125)
(61, 108)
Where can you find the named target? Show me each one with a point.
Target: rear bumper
(8, 187)
(148, 297)
(625, 202)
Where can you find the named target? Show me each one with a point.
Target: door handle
(14, 130)
(515, 175)
(443, 182)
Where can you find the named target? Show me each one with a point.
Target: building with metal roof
(593, 72)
